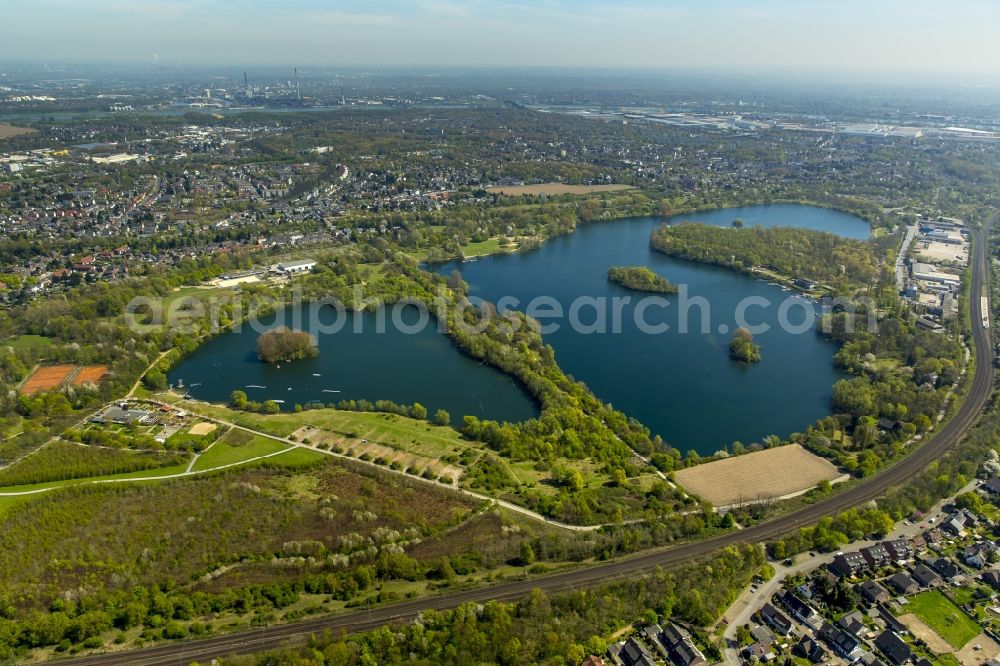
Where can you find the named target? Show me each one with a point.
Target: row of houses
(671, 642)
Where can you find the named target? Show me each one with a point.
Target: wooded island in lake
(640, 278)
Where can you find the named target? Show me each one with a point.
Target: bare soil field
(7, 131)
(202, 428)
(919, 629)
(555, 188)
(767, 474)
(90, 374)
(47, 378)
(970, 656)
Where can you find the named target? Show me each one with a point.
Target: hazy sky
(941, 36)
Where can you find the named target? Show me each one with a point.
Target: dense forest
(842, 264)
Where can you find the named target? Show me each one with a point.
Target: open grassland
(237, 446)
(27, 341)
(555, 188)
(249, 515)
(400, 432)
(759, 475)
(944, 617)
(61, 461)
(8, 131)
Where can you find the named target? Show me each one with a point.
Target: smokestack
(246, 83)
(298, 96)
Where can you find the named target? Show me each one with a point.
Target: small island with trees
(742, 347)
(284, 344)
(640, 278)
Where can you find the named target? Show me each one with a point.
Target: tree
(742, 347)
(418, 411)
(155, 380)
(527, 554)
(738, 223)
(442, 418)
(239, 399)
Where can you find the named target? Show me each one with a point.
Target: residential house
(849, 564)
(955, 523)
(852, 624)
(903, 584)
(900, 549)
(877, 556)
(978, 554)
(775, 619)
(992, 578)
(630, 653)
(893, 647)
(592, 660)
(811, 649)
(924, 575)
(946, 568)
(872, 592)
(992, 486)
(842, 643)
(675, 643)
(763, 635)
(798, 608)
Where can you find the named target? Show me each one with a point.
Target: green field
(236, 448)
(395, 431)
(944, 617)
(28, 342)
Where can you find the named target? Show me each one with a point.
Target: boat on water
(279, 402)
(316, 374)
(257, 386)
(330, 391)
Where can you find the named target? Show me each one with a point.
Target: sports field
(47, 378)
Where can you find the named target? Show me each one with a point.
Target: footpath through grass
(236, 447)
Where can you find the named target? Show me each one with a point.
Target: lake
(682, 385)
(424, 367)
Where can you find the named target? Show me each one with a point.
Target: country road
(273, 637)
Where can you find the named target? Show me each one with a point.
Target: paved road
(273, 637)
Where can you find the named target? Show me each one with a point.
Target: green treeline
(541, 629)
(640, 278)
(940, 479)
(60, 461)
(841, 263)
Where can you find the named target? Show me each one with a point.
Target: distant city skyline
(939, 38)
